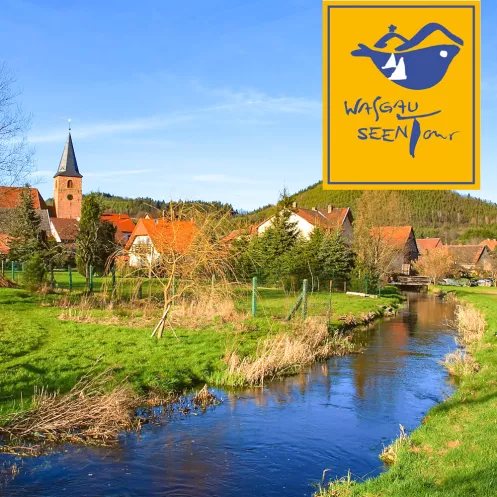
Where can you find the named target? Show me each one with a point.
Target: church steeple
(68, 184)
(68, 164)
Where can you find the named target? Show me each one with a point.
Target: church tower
(68, 194)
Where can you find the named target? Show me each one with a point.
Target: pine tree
(335, 256)
(26, 238)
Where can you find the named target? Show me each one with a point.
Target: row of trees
(281, 254)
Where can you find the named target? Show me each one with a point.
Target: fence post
(140, 291)
(254, 301)
(13, 271)
(379, 288)
(52, 279)
(3, 269)
(69, 269)
(113, 274)
(330, 303)
(367, 284)
(91, 278)
(304, 298)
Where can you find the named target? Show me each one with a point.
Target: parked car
(450, 282)
(485, 282)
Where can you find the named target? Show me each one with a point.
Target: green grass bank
(454, 452)
(38, 348)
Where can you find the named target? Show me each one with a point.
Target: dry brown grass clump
(204, 398)
(460, 363)
(289, 351)
(389, 454)
(5, 283)
(471, 324)
(88, 414)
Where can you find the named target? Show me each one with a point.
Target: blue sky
(169, 99)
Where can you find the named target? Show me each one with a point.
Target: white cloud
(246, 106)
(220, 178)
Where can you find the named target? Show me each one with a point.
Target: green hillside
(432, 212)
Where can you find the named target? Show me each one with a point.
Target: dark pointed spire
(68, 165)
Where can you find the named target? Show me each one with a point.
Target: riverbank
(40, 346)
(453, 453)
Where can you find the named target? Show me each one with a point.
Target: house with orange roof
(426, 244)
(471, 259)
(402, 241)
(491, 244)
(123, 224)
(152, 238)
(306, 220)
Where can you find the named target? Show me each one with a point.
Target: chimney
(330, 209)
(294, 205)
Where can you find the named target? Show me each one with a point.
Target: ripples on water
(274, 441)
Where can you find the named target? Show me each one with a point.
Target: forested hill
(139, 207)
(431, 212)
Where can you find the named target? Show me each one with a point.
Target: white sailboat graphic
(400, 71)
(391, 62)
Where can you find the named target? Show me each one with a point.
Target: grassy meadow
(453, 454)
(46, 341)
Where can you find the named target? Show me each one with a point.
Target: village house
(470, 259)
(153, 237)
(427, 244)
(402, 241)
(123, 224)
(306, 220)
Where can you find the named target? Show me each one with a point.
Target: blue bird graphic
(415, 69)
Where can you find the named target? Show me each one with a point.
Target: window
(69, 184)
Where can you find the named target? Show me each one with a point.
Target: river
(278, 440)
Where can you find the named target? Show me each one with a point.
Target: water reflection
(276, 440)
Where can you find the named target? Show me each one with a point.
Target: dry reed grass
(471, 324)
(460, 363)
(88, 414)
(389, 454)
(340, 487)
(288, 351)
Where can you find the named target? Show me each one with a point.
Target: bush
(34, 273)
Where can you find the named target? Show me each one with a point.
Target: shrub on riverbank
(89, 413)
(288, 352)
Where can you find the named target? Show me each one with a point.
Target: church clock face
(69, 197)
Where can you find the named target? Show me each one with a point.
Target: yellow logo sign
(401, 98)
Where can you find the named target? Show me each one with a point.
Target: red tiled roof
(491, 244)
(250, 231)
(396, 236)
(425, 244)
(67, 229)
(4, 243)
(121, 221)
(10, 197)
(467, 254)
(324, 219)
(165, 234)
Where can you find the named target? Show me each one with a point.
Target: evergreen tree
(95, 240)
(26, 237)
(273, 251)
(335, 257)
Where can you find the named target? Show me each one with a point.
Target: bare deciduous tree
(184, 253)
(377, 253)
(437, 263)
(16, 156)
